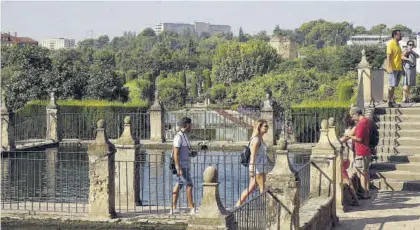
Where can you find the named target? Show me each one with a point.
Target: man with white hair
(361, 138)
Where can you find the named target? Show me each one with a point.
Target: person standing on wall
(394, 65)
(181, 155)
(361, 138)
(410, 58)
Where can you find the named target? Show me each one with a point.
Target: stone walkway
(385, 211)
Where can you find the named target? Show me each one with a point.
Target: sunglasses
(410, 44)
(265, 126)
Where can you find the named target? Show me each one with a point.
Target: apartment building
(198, 28)
(58, 43)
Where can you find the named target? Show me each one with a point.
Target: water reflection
(61, 175)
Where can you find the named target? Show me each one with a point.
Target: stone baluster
(53, 124)
(157, 121)
(211, 213)
(7, 127)
(127, 168)
(282, 182)
(101, 175)
(323, 169)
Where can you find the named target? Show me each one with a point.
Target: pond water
(61, 175)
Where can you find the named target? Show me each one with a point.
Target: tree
(193, 92)
(277, 31)
(23, 72)
(378, 29)
(131, 75)
(102, 42)
(405, 31)
(207, 80)
(241, 36)
(148, 32)
(262, 35)
(103, 82)
(235, 62)
(359, 30)
(218, 92)
(170, 92)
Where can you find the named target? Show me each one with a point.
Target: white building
(197, 28)
(368, 40)
(58, 43)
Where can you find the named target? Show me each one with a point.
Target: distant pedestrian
(394, 65)
(181, 155)
(361, 138)
(409, 61)
(258, 163)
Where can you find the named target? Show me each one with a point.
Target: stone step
(398, 141)
(398, 118)
(398, 126)
(399, 158)
(399, 149)
(396, 185)
(398, 111)
(391, 166)
(401, 133)
(399, 175)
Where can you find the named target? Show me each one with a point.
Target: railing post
(323, 170)
(157, 121)
(101, 175)
(7, 127)
(282, 182)
(332, 137)
(211, 213)
(53, 124)
(267, 113)
(127, 166)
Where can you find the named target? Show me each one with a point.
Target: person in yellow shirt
(394, 66)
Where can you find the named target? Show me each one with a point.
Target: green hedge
(78, 118)
(306, 119)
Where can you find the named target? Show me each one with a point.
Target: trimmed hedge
(306, 119)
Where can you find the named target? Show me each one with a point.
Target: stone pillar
(364, 73)
(53, 125)
(7, 128)
(281, 181)
(127, 166)
(323, 169)
(101, 176)
(157, 121)
(211, 213)
(267, 113)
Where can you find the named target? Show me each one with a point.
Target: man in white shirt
(181, 152)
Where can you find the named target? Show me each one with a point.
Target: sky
(84, 19)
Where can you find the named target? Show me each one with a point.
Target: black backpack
(246, 154)
(374, 136)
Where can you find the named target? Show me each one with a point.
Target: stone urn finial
(282, 144)
(127, 120)
(363, 63)
(101, 124)
(210, 175)
(324, 125)
(331, 121)
(53, 101)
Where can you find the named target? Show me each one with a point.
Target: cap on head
(184, 121)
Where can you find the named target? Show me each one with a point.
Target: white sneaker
(192, 212)
(174, 211)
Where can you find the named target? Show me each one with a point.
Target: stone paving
(386, 210)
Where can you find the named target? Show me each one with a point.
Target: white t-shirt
(181, 141)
